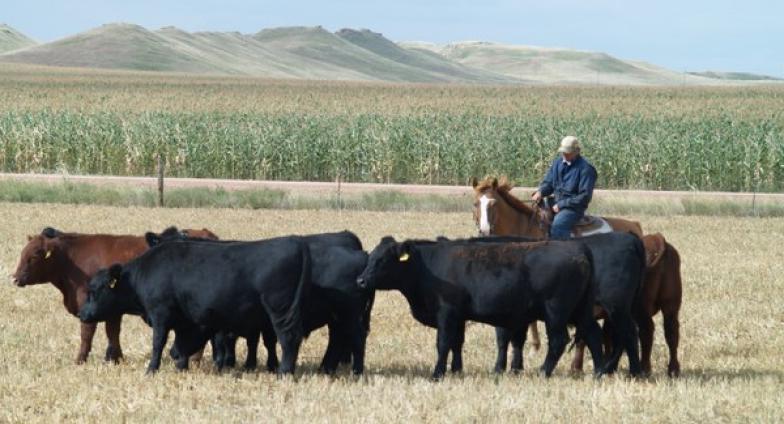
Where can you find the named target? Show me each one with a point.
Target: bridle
(535, 219)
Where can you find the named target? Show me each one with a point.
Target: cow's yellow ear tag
(112, 283)
(48, 254)
(404, 257)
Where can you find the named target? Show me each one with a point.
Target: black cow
(334, 300)
(198, 289)
(619, 265)
(508, 285)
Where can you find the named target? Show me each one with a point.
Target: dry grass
(731, 339)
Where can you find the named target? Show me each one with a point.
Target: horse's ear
(474, 182)
(654, 248)
(495, 183)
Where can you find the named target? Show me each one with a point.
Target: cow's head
(172, 234)
(41, 258)
(386, 266)
(109, 294)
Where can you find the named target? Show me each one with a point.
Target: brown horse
(498, 212)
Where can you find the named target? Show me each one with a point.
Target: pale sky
(681, 35)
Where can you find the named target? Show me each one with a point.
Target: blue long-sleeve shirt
(572, 183)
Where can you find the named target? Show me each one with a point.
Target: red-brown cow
(69, 261)
(661, 291)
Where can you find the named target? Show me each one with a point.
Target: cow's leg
(336, 341)
(502, 338)
(613, 344)
(270, 344)
(557, 338)
(579, 354)
(447, 327)
(290, 342)
(218, 343)
(457, 347)
(187, 340)
(159, 336)
(646, 331)
(626, 337)
(518, 341)
(252, 341)
(672, 336)
(358, 342)
(87, 333)
(230, 350)
(113, 351)
(592, 334)
(536, 341)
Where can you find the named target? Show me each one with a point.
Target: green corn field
(725, 139)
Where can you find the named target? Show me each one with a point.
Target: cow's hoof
(113, 354)
(674, 371)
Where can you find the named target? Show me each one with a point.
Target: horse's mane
(504, 189)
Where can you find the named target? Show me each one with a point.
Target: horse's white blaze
(605, 228)
(484, 224)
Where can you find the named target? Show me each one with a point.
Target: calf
(506, 285)
(69, 261)
(198, 289)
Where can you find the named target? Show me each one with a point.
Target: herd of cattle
(281, 289)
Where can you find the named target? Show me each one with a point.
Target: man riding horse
(571, 179)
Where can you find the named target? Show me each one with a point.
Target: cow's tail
(292, 320)
(639, 249)
(587, 299)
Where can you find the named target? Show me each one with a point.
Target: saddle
(587, 225)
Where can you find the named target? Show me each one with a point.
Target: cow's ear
(152, 238)
(474, 182)
(404, 251)
(654, 248)
(50, 232)
(387, 239)
(115, 271)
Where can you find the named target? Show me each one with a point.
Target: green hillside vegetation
(11, 39)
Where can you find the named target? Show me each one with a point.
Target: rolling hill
(11, 39)
(317, 54)
(735, 76)
(556, 65)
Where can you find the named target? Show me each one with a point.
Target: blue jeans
(561, 228)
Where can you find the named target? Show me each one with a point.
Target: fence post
(160, 180)
(340, 203)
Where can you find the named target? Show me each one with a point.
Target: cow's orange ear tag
(48, 254)
(404, 257)
(112, 283)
